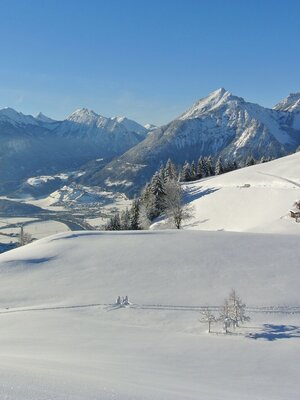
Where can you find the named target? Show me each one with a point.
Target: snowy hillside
(63, 339)
(254, 199)
(220, 124)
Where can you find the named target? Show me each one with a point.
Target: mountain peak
(43, 118)
(214, 100)
(83, 115)
(12, 116)
(291, 103)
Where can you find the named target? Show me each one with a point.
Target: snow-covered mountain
(220, 124)
(290, 103)
(38, 145)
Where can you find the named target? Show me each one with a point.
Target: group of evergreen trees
(205, 167)
(163, 194)
(126, 220)
(153, 197)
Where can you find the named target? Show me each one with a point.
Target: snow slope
(252, 199)
(61, 340)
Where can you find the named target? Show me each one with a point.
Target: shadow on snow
(197, 193)
(272, 332)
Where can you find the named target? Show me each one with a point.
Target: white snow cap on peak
(291, 103)
(120, 119)
(83, 115)
(206, 104)
(150, 127)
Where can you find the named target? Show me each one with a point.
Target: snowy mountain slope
(33, 146)
(254, 199)
(156, 349)
(290, 103)
(14, 117)
(219, 125)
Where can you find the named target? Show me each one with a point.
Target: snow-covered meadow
(61, 338)
(253, 199)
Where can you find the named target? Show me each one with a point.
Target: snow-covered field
(41, 229)
(38, 229)
(61, 339)
(253, 199)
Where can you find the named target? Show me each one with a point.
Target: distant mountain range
(38, 145)
(118, 153)
(220, 124)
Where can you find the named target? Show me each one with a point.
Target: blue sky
(148, 60)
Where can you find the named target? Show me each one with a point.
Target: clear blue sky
(146, 59)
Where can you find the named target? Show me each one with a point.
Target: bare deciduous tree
(24, 237)
(175, 208)
(207, 316)
(233, 311)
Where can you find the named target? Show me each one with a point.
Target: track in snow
(158, 307)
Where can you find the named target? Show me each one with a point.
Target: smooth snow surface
(61, 339)
(253, 199)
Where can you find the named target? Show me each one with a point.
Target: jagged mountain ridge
(291, 103)
(220, 124)
(36, 145)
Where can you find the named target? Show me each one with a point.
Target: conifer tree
(157, 188)
(125, 220)
(135, 215)
(193, 171)
(148, 201)
(205, 169)
(250, 161)
(199, 170)
(170, 171)
(185, 174)
(219, 169)
(209, 166)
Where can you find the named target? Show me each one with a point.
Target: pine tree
(157, 188)
(114, 223)
(193, 171)
(219, 169)
(170, 171)
(199, 170)
(250, 161)
(185, 175)
(125, 220)
(135, 215)
(209, 167)
(148, 201)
